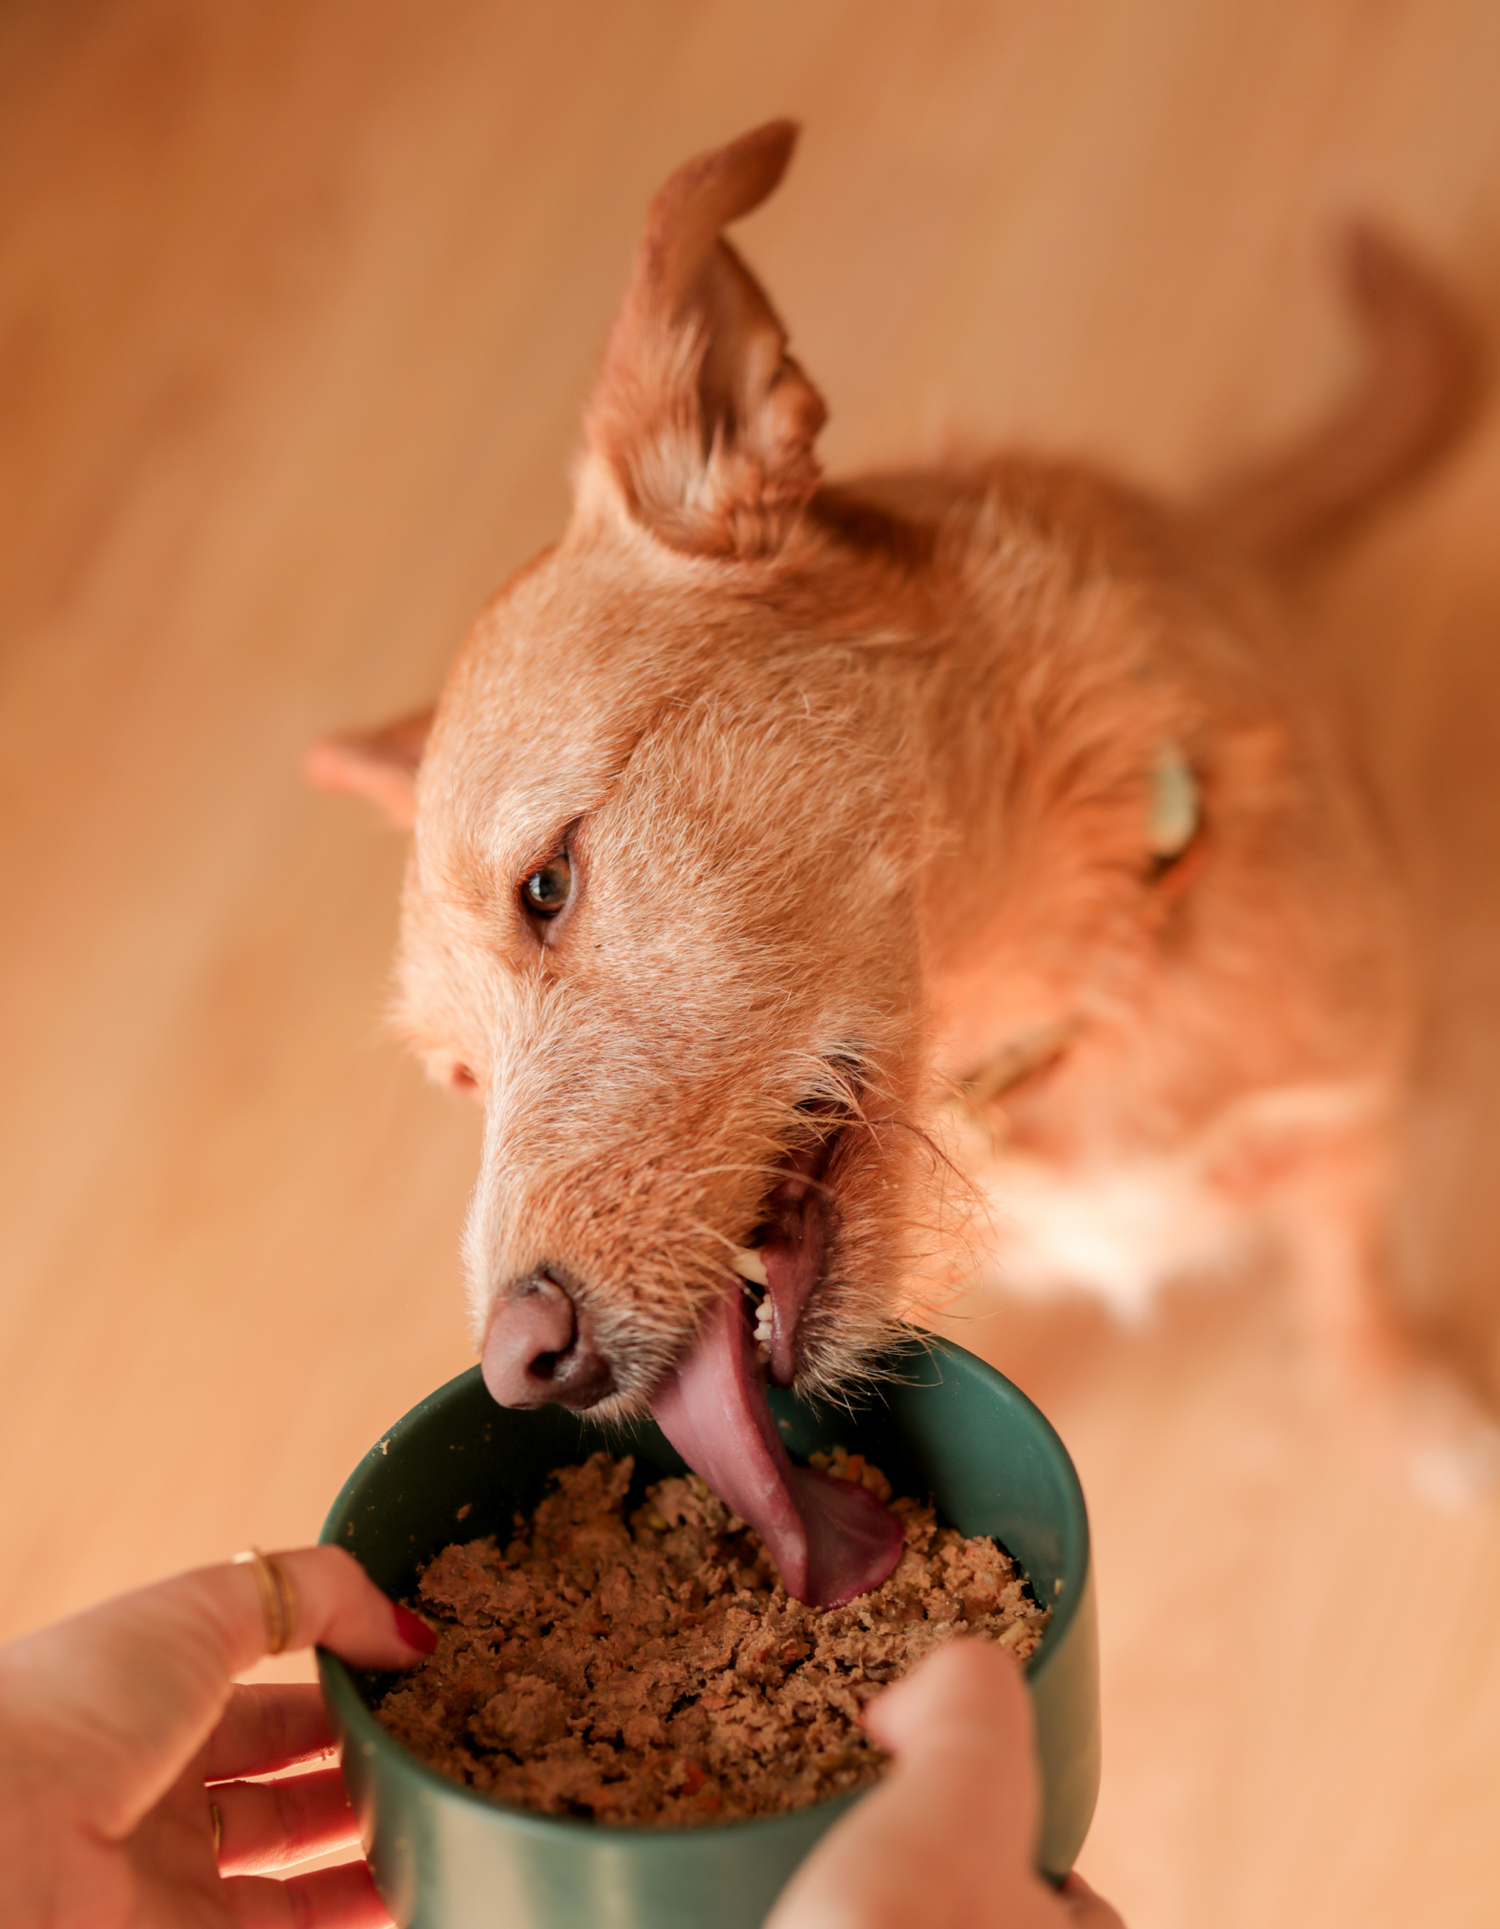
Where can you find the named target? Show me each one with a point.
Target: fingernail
(413, 1630)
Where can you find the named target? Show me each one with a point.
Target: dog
(797, 863)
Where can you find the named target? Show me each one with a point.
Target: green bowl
(447, 1857)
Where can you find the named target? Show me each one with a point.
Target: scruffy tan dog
(776, 838)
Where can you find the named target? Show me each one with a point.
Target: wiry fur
(855, 782)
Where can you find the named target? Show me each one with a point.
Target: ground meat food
(654, 1671)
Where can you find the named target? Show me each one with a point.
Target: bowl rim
(365, 1732)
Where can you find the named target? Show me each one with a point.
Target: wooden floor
(297, 303)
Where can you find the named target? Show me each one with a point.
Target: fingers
(340, 1608)
(264, 1729)
(947, 1839)
(266, 1826)
(334, 1605)
(119, 1700)
(968, 1694)
(339, 1898)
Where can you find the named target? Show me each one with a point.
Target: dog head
(659, 913)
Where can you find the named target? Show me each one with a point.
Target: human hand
(122, 1730)
(947, 1840)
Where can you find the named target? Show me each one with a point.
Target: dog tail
(1421, 389)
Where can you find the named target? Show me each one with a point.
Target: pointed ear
(703, 420)
(378, 765)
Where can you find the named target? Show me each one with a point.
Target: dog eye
(461, 1078)
(545, 892)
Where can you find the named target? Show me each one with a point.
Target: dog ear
(704, 421)
(378, 765)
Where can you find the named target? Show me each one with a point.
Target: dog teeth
(749, 1265)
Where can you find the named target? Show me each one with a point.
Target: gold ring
(218, 1822)
(278, 1603)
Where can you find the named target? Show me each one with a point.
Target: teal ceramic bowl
(446, 1857)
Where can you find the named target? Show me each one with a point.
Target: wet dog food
(646, 1666)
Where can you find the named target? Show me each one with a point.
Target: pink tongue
(829, 1538)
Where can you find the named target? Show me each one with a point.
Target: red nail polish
(413, 1631)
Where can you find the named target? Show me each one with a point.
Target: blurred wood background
(297, 305)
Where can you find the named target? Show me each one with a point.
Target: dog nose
(538, 1348)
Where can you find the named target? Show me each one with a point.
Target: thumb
(967, 1698)
(946, 1841)
(114, 1703)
